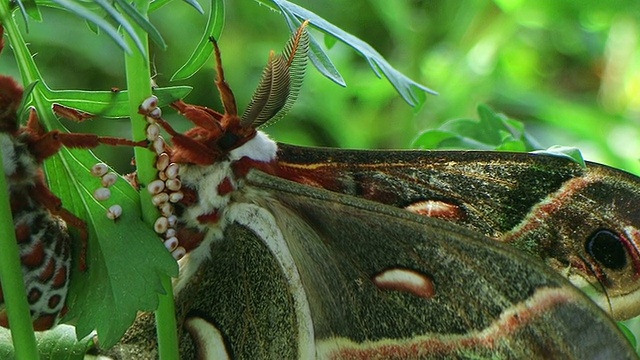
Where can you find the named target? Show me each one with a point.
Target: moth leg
(45, 144)
(200, 116)
(43, 195)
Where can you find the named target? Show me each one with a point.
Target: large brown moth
(40, 221)
(311, 253)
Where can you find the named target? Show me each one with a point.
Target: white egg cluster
(107, 179)
(166, 189)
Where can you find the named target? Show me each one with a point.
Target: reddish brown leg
(200, 116)
(189, 149)
(51, 142)
(44, 196)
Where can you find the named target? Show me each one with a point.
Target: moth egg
(99, 169)
(162, 162)
(171, 243)
(162, 176)
(176, 196)
(171, 232)
(173, 184)
(158, 145)
(173, 220)
(155, 113)
(159, 199)
(155, 187)
(114, 212)
(179, 253)
(161, 225)
(153, 131)
(102, 194)
(172, 170)
(149, 103)
(109, 179)
(166, 209)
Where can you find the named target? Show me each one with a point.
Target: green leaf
(195, 5)
(318, 57)
(126, 26)
(569, 152)
(29, 8)
(203, 50)
(143, 22)
(628, 334)
(59, 343)
(412, 92)
(108, 103)
(491, 132)
(125, 258)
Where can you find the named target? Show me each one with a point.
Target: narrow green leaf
(203, 50)
(412, 92)
(29, 8)
(157, 4)
(143, 22)
(126, 26)
(90, 16)
(317, 55)
(195, 5)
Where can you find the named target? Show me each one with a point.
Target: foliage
(569, 70)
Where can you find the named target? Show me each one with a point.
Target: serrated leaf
(125, 258)
(108, 103)
(412, 92)
(203, 50)
(490, 132)
(59, 343)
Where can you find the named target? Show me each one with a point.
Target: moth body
(43, 238)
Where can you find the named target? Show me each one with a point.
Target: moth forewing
(532, 202)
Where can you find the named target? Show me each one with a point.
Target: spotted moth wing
(582, 222)
(306, 273)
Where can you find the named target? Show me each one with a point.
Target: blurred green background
(569, 69)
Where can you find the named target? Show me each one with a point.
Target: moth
(318, 253)
(40, 221)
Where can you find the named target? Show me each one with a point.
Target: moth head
(215, 134)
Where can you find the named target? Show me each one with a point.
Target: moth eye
(228, 140)
(608, 249)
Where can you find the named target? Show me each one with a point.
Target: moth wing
(306, 273)
(530, 201)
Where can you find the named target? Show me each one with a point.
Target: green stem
(139, 86)
(17, 308)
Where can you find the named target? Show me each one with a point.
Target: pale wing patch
(406, 280)
(207, 338)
